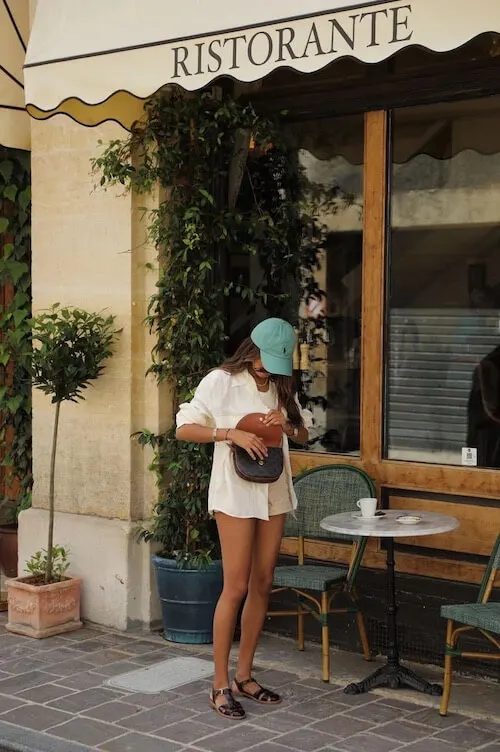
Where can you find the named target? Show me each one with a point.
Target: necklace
(261, 384)
(259, 380)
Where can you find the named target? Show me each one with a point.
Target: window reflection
(327, 362)
(330, 382)
(443, 321)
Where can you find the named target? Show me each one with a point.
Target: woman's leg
(268, 535)
(237, 542)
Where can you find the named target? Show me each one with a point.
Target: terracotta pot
(43, 610)
(8, 550)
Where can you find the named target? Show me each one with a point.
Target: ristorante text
(333, 35)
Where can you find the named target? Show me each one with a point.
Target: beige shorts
(279, 497)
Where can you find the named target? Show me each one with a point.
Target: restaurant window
(329, 153)
(442, 395)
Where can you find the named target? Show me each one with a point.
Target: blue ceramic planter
(188, 598)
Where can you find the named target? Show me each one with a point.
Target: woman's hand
(250, 442)
(274, 418)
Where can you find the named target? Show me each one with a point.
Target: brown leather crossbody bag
(266, 470)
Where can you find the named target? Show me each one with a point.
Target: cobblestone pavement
(52, 699)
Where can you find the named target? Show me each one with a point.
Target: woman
(250, 516)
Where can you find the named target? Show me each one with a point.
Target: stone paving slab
(54, 698)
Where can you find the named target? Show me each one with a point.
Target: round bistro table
(392, 674)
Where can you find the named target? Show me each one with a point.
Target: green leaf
(14, 403)
(16, 270)
(19, 316)
(207, 195)
(24, 197)
(8, 249)
(4, 223)
(10, 192)
(20, 299)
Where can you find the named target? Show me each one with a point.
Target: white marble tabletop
(351, 523)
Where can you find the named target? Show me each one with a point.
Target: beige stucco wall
(89, 250)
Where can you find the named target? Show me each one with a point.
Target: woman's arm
(200, 434)
(277, 418)
(204, 435)
(301, 436)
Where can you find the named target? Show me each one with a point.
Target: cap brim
(276, 366)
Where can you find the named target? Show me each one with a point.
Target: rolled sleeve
(200, 410)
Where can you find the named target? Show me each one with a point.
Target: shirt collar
(242, 379)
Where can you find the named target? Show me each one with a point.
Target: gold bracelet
(214, 435)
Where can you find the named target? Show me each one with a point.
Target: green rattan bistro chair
(482, 615)
(321, 492)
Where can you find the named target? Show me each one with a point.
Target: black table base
(393, 674)
(393, 677)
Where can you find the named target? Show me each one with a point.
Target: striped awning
(100, 59)
(14, 28)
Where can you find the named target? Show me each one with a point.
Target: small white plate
(409, 519)
(378, 516)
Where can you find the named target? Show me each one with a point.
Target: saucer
(409, 519)
(377, 516)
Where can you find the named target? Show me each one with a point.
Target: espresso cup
(368, 507)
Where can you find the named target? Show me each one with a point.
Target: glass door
(442, 390)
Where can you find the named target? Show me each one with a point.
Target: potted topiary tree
(70, 346)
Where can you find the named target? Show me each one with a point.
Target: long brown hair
(243, 360)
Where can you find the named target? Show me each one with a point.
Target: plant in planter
(70, 347)
(211, 154)
(15, 349)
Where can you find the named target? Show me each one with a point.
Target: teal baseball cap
(276, 341)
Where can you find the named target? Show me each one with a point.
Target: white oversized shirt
(220, 401)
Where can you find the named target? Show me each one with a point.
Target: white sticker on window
(469, 456)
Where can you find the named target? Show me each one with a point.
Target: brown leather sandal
(262, 695)
(231, 709)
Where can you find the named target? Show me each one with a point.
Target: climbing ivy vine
(15, 339)
(230, 185)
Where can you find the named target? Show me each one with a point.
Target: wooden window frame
(464, 483)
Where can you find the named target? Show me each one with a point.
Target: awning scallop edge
(82, 65)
